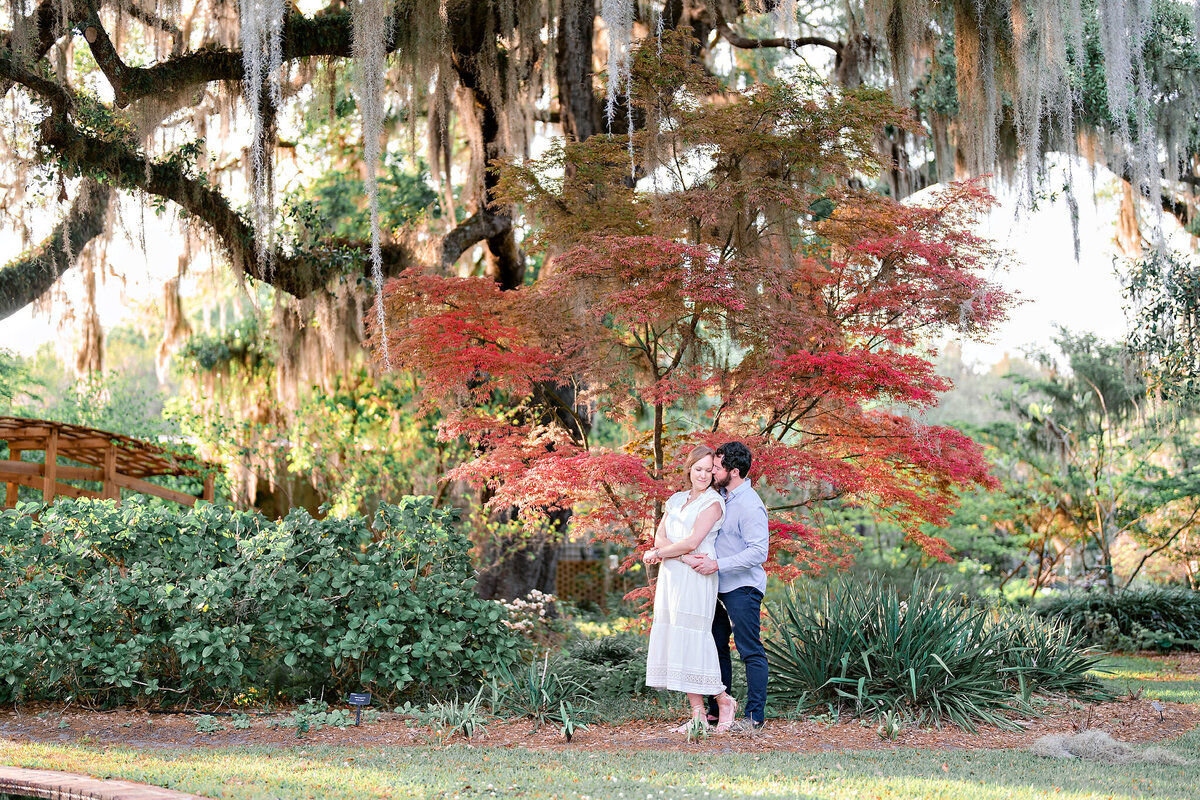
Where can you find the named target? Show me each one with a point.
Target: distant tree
(1162, 291)
(1107, 459)
(12, 374)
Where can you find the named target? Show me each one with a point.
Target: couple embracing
(712, 542)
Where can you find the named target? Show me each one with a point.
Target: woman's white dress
(682, 655)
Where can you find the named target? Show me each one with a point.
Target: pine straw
(1128, 720)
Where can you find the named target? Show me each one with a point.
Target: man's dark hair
(735, 455)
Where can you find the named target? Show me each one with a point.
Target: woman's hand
(651, 556)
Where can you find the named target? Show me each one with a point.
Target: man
(741, 550)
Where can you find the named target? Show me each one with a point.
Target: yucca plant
(1049, 657)
(930, 658)
(453, 716)
(541, 694)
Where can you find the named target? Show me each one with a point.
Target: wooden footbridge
(114, 461)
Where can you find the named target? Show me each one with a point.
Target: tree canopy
(320, 149)
(129, 95)
(750, 293)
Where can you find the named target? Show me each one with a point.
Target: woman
(682, 654)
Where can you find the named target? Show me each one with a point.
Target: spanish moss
(262, 58)
(371, 35)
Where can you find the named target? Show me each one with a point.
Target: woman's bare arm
(704, 523)
(660, 535)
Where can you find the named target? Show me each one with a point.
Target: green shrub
(612, 667)
(107, 603)
(1157, 618)
(930, 658)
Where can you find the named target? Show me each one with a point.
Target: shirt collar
(745, 485)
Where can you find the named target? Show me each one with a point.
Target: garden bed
(1127, 720)
(1142, 680)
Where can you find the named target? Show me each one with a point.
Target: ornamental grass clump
(858, 646)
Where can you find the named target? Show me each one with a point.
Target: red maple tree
(746, 286)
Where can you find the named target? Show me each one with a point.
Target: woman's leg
(728, 710)
(697, 703)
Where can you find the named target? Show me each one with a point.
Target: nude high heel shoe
(728, 713)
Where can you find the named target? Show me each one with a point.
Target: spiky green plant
(454, 716)
(1048, 657)
(930, 658)
(541, 694)
(891, 726)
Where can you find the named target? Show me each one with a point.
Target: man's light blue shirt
(742, 542)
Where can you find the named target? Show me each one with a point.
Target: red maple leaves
(740, 291)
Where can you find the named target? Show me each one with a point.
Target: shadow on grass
(1155, 679)
(472, 771)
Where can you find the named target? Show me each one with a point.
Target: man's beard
(721, 484)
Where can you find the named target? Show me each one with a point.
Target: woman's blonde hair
(698, 452)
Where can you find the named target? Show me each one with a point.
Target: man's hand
(700, 563)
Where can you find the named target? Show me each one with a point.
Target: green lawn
(1157, 682)
(312, 771)
(462, 771)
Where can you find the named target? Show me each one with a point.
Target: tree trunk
(515, 567)
(1106, 557)
(578, 109)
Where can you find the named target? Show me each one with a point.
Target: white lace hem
(681, 680)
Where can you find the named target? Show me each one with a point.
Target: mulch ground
(1128, 720)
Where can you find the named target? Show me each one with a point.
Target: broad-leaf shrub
(1157, 618)
(859, 647)
(107, 603)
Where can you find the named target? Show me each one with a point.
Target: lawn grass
(468, 771)
(465, 771)
(1125, 674)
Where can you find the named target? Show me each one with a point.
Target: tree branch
(746, 43)
(1170, 540)
(57, 96)
(31, 275)
(303, 37)
(44, 20)
(475, 228)
(155, 21)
